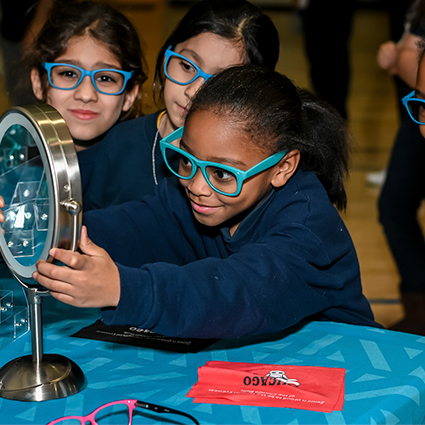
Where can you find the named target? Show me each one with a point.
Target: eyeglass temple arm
(162, 409)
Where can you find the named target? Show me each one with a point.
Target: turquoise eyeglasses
(415, 107)
(64, 76)
(181, 70)
(222, 178)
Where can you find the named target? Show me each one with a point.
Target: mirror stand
(39, 376)
(41, 186)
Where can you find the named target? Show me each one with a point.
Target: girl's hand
(89, 280)
(387, 57)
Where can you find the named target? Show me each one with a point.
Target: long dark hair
(98, 20)
(278, 116)
(235, 20)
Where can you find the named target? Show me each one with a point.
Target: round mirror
(40, 183)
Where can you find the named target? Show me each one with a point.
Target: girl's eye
(186, 66)
(104, 78)
(185, 166)
(185, 161)
(68, 73)
(221, 174)
(109, 81)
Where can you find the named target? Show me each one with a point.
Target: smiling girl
(246, 240)
(212, 36)
(87, 63)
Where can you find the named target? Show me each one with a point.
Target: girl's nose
(86, 90)
(198, 185)
(193, 87)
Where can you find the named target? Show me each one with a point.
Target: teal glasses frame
(241, 176)
(49, 65)
(412, 99)
(199, 73)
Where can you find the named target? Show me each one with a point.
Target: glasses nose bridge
(89, 75)
(82, 85)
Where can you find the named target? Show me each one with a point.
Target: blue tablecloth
(385, 376)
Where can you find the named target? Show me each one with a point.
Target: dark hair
(421, 48)
(100, 21)
(416, 15)
(235, 20)
(277, 116)
(416, 19)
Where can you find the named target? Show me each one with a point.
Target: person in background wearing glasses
(404, 187)
(246, 240)
(212, 36)
(415, 101)
(88, 64)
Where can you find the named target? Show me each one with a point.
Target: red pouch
(298, 387)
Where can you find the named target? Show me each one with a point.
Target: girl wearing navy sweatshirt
(246, 240)
(87, 63)
(212, 36)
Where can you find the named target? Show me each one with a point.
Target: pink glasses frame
(131, 404)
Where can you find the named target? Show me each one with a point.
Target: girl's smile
(84, 114)
(202, 209)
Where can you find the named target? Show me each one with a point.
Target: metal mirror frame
(40, 376)
(56, 148)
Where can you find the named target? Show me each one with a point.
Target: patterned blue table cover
(385, 376)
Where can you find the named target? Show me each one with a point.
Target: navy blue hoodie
(290, 259)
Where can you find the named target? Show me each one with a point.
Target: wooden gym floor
(373, 121)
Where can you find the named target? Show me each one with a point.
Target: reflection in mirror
(24, 189)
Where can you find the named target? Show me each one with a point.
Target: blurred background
(372, 109)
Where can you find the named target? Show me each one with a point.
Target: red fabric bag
(298, 387)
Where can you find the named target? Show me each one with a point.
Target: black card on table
(132, 335)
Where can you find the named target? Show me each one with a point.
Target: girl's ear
(130, 97)
(36, 84)
(286, 168)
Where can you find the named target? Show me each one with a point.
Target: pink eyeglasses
(117, 412)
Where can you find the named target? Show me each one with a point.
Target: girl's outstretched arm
(90, 279)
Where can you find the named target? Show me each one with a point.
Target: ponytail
(279, 116)
(324, 146)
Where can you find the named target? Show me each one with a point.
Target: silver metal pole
(36, 325)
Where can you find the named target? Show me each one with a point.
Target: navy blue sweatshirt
(86, 162)
(127, 164)
(290, 259)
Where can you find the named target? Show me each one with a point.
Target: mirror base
(54, 377)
